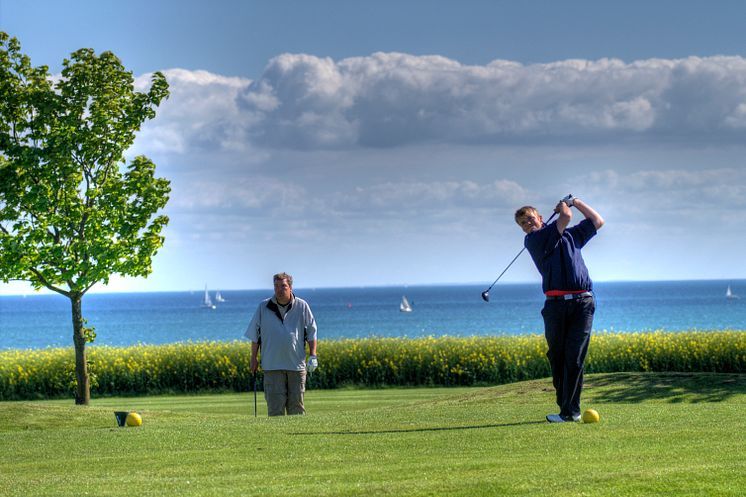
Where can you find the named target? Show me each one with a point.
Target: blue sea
(39, 321)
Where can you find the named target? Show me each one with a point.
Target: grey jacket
(282, 339)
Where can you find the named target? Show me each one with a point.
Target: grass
(660, 434)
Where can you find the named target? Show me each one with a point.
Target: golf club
(486, 293)
(254, 381)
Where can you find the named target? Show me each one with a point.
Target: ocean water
(40, 321)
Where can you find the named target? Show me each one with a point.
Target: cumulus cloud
(201, 113)
(391, 99)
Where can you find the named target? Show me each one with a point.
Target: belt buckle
(568, 296)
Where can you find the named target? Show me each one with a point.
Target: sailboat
(730, 295)
(405, 306)
(207, 301)
(219, 298)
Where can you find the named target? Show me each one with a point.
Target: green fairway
(660, 434)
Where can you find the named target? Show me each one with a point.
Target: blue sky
(371, 143)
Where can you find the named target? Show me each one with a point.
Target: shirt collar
(292, 301)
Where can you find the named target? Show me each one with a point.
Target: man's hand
(312, 364)
(569, 200)
(563, 209)
(565, 214)
(254, 364)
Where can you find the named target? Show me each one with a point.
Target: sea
(122, 319)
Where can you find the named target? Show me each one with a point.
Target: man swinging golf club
(569, 307)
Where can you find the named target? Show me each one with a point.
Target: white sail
(729, 294)
(405, 306)
(207, 301)
(219, 298)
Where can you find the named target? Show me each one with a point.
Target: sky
(389, 143)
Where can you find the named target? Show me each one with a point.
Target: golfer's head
(283, 287)
(529, 219)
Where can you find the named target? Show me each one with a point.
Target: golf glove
(312, 364)
(569, 200)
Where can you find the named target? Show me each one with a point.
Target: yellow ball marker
(134, 419)
(591, 416)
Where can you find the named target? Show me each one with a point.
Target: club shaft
(254, 394)
(515, 258)
(508, 267)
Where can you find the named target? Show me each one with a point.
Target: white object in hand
(569, 200)
(312, 364)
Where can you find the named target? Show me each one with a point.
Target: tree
(72, 213)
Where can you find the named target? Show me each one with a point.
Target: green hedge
(193, 367)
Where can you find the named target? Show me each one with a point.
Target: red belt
(570, 296)
(560, 293)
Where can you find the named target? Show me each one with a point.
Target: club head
(486, 296)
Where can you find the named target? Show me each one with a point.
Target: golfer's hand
(569, 200)
(312, 364)
(254, 364)
(562, 208)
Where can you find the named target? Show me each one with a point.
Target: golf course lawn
(660, 434)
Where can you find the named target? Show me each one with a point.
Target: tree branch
(89, 286)
(44, 282)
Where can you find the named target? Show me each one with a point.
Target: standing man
(281, 326)
(569, 307)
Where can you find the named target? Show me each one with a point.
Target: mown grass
(661, 434)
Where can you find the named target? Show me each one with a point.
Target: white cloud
(201, 113)
(391, 99)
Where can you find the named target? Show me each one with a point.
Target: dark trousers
(567, 328)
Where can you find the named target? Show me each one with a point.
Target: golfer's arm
(254, 350)
(312, 347)
(589, 213)
(565, 216)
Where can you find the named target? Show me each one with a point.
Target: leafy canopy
(71, 212)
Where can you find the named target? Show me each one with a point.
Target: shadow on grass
(667, 387)
(419, 430)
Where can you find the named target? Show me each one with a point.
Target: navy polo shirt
(558, 257)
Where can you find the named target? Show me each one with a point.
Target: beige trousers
(283, 391)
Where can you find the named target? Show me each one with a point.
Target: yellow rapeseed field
(201, 366)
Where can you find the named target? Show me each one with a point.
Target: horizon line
(46, 291)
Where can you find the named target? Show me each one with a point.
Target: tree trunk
(83, 387)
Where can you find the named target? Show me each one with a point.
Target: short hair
(283, 276)
(525, 211)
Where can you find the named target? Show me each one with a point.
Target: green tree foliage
(72, 213)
